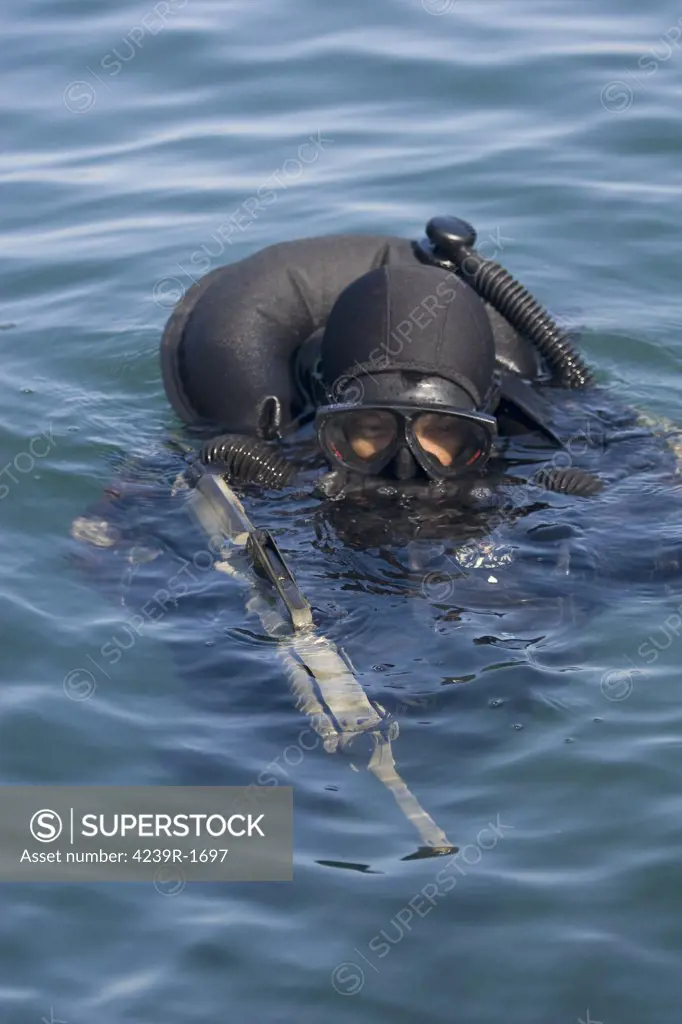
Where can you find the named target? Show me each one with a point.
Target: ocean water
(540, 723)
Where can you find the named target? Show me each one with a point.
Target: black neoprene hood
(404, 318)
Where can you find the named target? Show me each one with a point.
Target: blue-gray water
(131, 137)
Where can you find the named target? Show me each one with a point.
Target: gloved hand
(569, 480)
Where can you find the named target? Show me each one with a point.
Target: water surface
(134, 138)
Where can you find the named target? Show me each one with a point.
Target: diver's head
(408, 364)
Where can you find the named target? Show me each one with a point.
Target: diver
(417, 361)
(427, 373)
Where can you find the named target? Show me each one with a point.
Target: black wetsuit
(234, 338)
(240, 353)
(250, 332)
(524, 563)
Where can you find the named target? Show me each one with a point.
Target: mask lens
(369, 433)
(448, 442)
(362, 439)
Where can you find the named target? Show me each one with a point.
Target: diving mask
(444, 442)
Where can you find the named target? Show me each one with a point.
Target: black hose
(246, 460)
(453, 239)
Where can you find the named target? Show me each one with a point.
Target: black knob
(450, 234)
